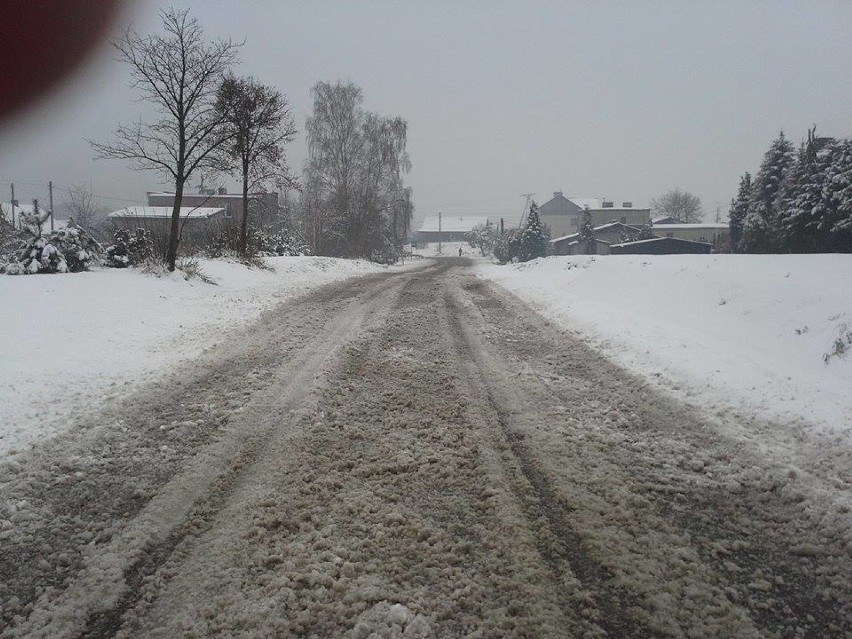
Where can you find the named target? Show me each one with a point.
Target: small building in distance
(666, 219)
(263, 207)
(605, 235)
(564, 215)
(156, 218)
(661, 246)
(453, 228)
(199, 224)
(714, 233)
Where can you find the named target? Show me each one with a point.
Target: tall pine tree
(739, 208)
(803, 199)
(533, 238)
(837, 225)
(760, 222)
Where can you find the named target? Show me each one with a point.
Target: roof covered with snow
(154, 212)
(719, 226)
(597, 228)
(662, 239)
(452, 223)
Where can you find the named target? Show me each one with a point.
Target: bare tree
(179, 73)
(81, 205)
(680, 205)
(355, 189)
(260, 123)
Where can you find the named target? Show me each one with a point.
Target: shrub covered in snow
(129, 249)
(482, 237)
(523, 244)
(77, 246)
(842, 344)
(507, 246)
(64, 250)
(259, 242)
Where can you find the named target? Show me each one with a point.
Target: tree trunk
(244, 222)
(174, 230)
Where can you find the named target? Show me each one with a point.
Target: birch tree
(355, 197)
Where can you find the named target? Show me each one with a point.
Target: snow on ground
(67, 342)
(448, 249)
(739, 335)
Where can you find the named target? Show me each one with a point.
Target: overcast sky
(623, 100)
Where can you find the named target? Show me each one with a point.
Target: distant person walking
(460, 251)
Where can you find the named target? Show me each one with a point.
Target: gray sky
(623, 100)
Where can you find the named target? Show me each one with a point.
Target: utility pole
(14, 202)
(501, 226)
(50, 191)
(439, 232)
(527, 200)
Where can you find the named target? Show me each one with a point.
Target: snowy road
(416, 455)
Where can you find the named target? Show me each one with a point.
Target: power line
(528, 198)
(42, 188)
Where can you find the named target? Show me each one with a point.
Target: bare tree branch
(260, 124)
(179, 73)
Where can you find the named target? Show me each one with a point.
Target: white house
(448, 228)
(564, 215)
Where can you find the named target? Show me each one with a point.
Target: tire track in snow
(734, 529)
(378, 512)
(458, 468)
(92, 603)
(562, 547)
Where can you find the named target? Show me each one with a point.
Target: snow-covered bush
(77, 246)
(279, 243)
(129, 249)
(38, 256)
(507, 246)
(842, 344)
(523, 244)
(64, 250)
(481, 236)
(10, 241)
(191, 268)
(259, 242)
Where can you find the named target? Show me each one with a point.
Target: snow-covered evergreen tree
(77, 247)
(69, 249)
(36, 255)
(533, 239)
(760, 221)
(739, 208)
(587, 233)
(803, 198)
(129, 249)
(837, 224)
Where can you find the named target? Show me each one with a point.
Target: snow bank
(750, 332)
(69, 341)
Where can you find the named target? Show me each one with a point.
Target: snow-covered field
(70, 341)
(738, 335)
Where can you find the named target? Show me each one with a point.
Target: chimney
(222, 190)
(557, 194)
